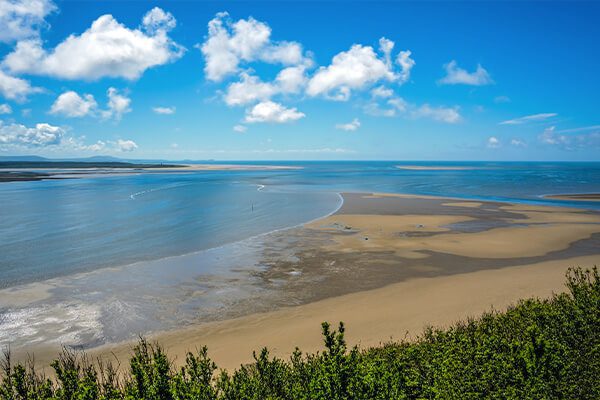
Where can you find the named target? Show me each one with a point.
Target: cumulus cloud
(529, 118)
(16, 88)
(240, 128)
(493, 142)
(45, 136)
(5, 109)
(248, 90)
(70, 104)
(355, 69)
(291, 79)
(106, 49)
(459, 76)
(350, 126)
(518, 143)
(118, 104)
(268, 111)
(230, 43)
(22, 19)
(126, 145)
(251, 89)
(42, 134)
(164, 110)
(448, 115)
(157, 20)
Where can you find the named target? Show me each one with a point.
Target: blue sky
(312, 80)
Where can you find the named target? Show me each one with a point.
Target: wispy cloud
(350, 126)
(529, 118)
(458, 76)
(164, 110)
(552, 137)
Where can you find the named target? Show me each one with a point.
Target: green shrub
(536, 349)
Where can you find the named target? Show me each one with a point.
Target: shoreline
(574, 197)
(344, 263)
(24, 174)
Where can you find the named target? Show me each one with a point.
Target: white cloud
(44, 136)
(248, 90)
(448, 115)
(350, 126)
(406, 63)
(118, 104)
(291, 79)
(126, 145)
(353, 69)
(106, 49)
(391, 107)
(5, 109)
(240, 128)
(230, 43)
(268, 111)
(456, 76)
(21, 19)
(164, 110)
(70, 104)
(16, 88)
(493, 142)
(529, 118)
(518, 143)
(157, 20)
(552, 137)
(385, 47)
(382, 92)
(581, 129)
(17, 135)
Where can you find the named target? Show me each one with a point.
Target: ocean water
(96, 254)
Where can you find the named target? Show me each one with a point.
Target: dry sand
(396, 311)
(389, 265)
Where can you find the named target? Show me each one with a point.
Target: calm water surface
(63, 229)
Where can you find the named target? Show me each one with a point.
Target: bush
(537, 349)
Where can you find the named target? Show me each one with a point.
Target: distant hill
(100, 159)
(71, 164)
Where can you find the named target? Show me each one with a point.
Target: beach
(388, 266)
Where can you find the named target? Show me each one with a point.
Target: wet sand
(389, 265)
(576, 197)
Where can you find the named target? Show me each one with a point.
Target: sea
(103, 258)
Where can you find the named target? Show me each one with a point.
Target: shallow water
(93, 260)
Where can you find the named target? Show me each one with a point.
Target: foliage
(537, 349)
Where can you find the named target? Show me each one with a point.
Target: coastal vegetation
(536, 349)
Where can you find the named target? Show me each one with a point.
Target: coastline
(378, 251)
(50, 173)
(575, 197)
